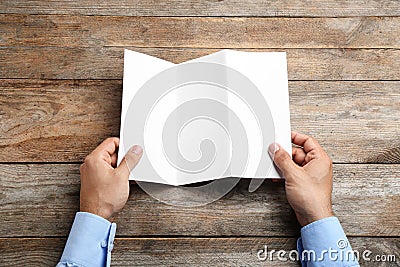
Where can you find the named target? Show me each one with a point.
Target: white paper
(188, 157)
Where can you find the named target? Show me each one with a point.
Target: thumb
(130, 160)
(282, 159)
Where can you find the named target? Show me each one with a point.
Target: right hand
(308, 176)
(104, 186)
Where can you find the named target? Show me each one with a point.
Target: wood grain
(186, 251)
(297, 8)
(389, 155)
(95, 31)
(230, 251)
(60, 94)
(52, 114)
(43, 198)
(107, 62)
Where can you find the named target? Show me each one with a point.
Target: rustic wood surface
(296, 8)
(366, 198)
(60, 96)
(183, 251)
(107, 62)
(51, 113)
(90, 31)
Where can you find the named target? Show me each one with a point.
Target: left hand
(105, 187)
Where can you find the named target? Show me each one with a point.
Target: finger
(298, 155)
(305, 141)
(130, 160)
(282, 159)
(114, 160)
(107, 147)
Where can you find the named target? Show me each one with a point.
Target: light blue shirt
(324, 243)
(91, 240)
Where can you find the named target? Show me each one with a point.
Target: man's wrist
(94, 209)
(315, 216)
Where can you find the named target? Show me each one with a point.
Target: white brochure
(207, 118)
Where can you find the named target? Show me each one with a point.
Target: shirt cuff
(90, 241)
(324, 243)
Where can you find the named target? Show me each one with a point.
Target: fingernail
(138, 150)
(272, 149)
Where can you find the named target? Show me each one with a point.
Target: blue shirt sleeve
(324, 243)
(90, 242)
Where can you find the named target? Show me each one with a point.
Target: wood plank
(187, 251)
(107, 62)
(297, 8)
(51, 114)
(94, 31)
(41, 200)
(230, 252)
(349, 119)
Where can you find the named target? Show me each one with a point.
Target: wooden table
(60, 95)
